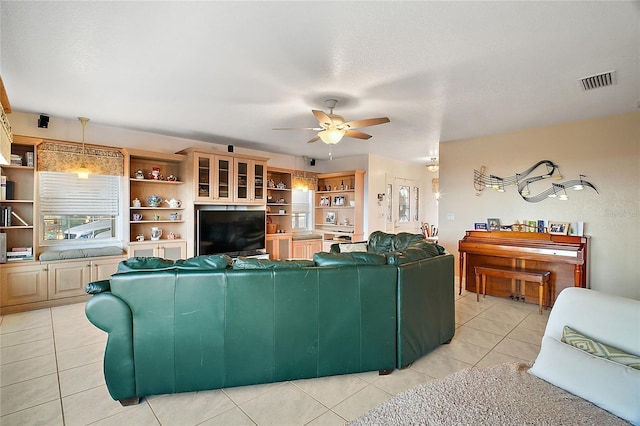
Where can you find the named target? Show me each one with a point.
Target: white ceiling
(229, 72)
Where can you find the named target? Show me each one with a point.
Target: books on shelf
(3, 188)
(20, 253)
(5, 216)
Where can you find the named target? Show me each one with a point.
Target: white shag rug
(505, 394)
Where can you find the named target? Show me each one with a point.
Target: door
(402, 206)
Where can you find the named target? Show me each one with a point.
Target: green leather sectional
(201, 323)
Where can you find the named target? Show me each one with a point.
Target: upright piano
(565, 256)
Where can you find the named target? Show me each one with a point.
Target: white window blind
(65, 193)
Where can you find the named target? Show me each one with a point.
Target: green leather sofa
(425, 293)
(204, 324)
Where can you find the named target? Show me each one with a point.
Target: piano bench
(530, 275)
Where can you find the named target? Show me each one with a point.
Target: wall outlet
(451, 216)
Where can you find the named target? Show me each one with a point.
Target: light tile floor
(51, 374)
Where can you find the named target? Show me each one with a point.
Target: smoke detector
(598, 80)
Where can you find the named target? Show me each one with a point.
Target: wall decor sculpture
(522, 180)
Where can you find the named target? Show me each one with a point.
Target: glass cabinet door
(258, 181)
(224, 178)
(203, 170)
(242, 180)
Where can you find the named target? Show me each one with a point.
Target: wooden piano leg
(577, 276)
(461, 274)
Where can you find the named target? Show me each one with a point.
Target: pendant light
(83, 171)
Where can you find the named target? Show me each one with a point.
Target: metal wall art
(522, 180)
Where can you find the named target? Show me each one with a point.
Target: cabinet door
(23, 284)
(223, 179)
(103, 269)
(143, 250)
(204, 176)
(313, 246)
(258, 188)
(271, 246)
(243, 175)
(299, 250)
(172, 251)
(68, 279)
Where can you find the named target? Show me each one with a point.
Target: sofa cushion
(80, 253)
(352, 247)
(355, 258)
(144, 264)
(205, 263)
(609, 385)
(252, 263)
(404, 240)
(405, 256)
(380, 242)
(580, 341)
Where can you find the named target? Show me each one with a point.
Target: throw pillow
(580, 341)
(351, 247)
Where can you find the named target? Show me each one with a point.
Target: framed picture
(330, 217)
(558, 228)
(505, 227)
(325, 201)
(493, 224)
(480, 226)
(338, 200)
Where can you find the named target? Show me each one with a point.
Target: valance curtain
(68, 157)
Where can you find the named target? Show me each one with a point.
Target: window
(301, 211)
(404, 204)
(78, 209)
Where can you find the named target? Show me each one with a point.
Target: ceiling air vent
(599, 80)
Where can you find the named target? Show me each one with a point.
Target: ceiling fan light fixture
(331, 136)
(83, 172)
(433, 165)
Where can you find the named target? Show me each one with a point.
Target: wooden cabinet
(249, 180)
(213, 177)
(305, 249)
(22, 284)
(170, 185)
(166, 249)
(19, 198)
(35, 285)
(278, 245)
(339, 206)
(279, 199)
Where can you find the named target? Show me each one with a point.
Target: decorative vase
(156, 233)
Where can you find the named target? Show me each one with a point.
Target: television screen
(233, 232)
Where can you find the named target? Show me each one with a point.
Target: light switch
(451, 216)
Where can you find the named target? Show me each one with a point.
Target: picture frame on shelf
(330, 218)
(480, 226)
(338, 200)
(558, 228)
(325, 201)
(493, 224)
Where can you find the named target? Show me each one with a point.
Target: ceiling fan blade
(356, 134)
(322, 117)
(314, 139)
(297, 128)
(366, 122)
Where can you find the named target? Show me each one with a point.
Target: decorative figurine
(172, 178)
(136, 202)
(139, 174)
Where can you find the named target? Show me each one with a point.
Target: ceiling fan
(333, 127)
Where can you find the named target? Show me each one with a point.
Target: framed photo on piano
(558, 228)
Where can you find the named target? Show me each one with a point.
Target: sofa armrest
(113, 315)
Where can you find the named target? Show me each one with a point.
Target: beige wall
(606, 150)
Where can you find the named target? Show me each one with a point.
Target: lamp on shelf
(83, 171)
(433, 165)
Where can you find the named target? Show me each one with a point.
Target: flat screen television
(232, 232)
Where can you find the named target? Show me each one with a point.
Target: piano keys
(565, 256)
